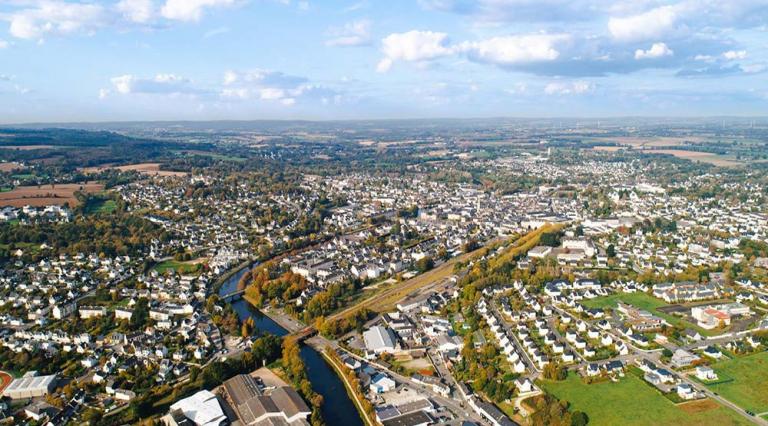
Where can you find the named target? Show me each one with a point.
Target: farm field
(749, 388)
(29, 147)
(46, 195)
(632, 402)
(9, 166)
(150, 169)
(645, 302)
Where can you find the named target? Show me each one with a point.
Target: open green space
(646, 302)
(749, 387)
(632, 402)
(183, 268)
(101, 206)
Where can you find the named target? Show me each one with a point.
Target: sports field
(632, 402)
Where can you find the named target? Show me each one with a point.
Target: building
(686, 292)
(31, 386)
(282, 406)
(202, 409)
(683, 358)
(87, 312)
(64, 310)
(640, 320)
(705, 373)
(380, 339)
(713, 316)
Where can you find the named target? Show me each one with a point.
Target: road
(530, 365)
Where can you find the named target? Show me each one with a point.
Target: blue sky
(69, 60)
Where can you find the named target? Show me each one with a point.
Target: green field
(101, 206)
(183, 268)
(749, 388)
(632, 402)
(648, 303)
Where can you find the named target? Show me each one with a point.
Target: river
(337, 408)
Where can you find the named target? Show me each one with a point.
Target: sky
(126, 60)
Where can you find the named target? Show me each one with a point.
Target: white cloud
(355, 33)
(735, 54)
(643, 26)
(413, 46)
(160, 84)
(3, 44)
(270, 86)
(56, 17)
(573, 88)
(104, 93)
(190, 10)
(271, 93)
(139, 11)
(263, 78)
(657, 50)
(510, 50)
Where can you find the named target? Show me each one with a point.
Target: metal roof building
(30, 387)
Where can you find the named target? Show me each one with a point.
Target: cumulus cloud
(190, 10)
(413, 46)
(139, 11)
(270, 86)
(511, 50)
(49, 17)
(420, 46)
(735, 54)
(264, 78)
(159, 84)
(646, 25)
(657, 50)
(569, 88)
(355, 33)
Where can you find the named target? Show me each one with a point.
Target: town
(268, 284)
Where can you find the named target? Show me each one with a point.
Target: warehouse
(30, 387)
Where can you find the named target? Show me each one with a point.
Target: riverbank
(239, 269)
(338, 407)
(352, 393)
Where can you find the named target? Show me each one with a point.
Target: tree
(610, 251)
(579, 418)
(425, 264)
(140, 314)
(248, 327)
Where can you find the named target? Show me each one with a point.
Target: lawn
(183, 268)
(645, 302)
(749, 388)
(632, 402)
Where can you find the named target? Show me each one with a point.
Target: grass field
(182, 268)
(101, 206)
(632, 402)
(645, 302)
(749, 388)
